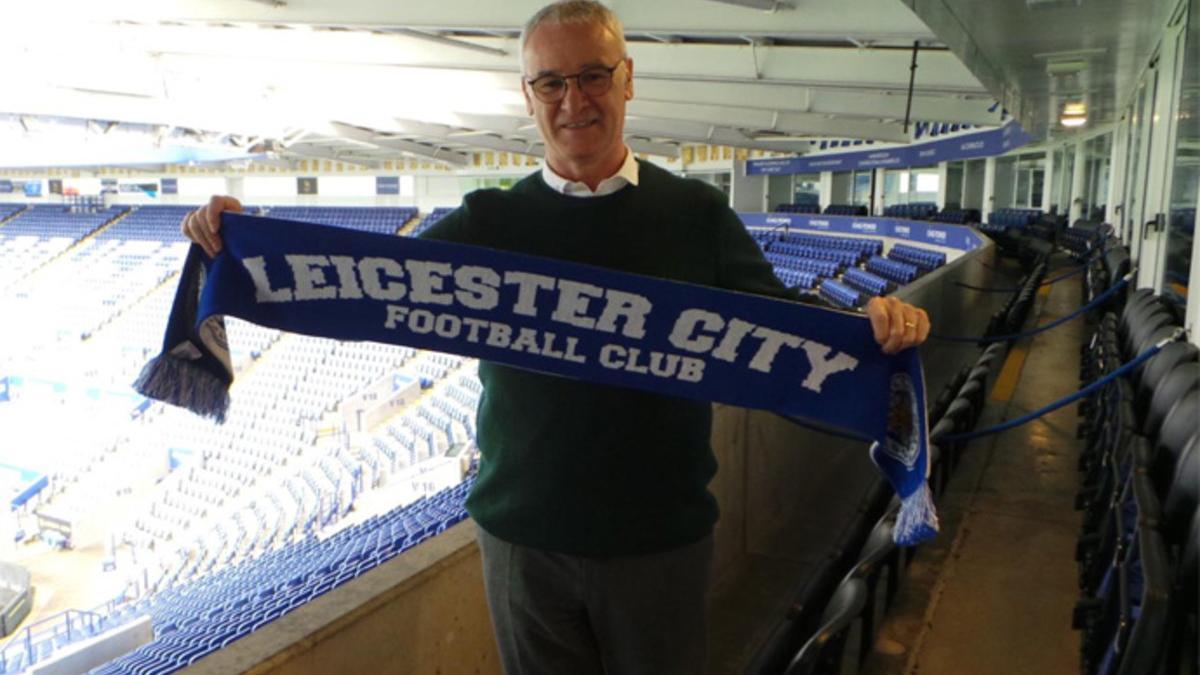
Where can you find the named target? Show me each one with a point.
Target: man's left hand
(897, 324)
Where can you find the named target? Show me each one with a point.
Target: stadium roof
(367, 80)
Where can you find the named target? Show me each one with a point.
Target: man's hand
(204, 224)
(897, 325)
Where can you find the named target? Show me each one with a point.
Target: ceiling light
(1073, 120)
(1075, 109)
(1065, 66)
(765, 5)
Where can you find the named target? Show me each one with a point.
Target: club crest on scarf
(903, 438)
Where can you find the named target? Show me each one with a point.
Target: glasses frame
(611, 70)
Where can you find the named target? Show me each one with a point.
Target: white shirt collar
(626, 175)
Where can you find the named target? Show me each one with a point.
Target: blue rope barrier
(1098, 300)
(1086, 391)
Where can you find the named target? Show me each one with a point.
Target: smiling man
(592, 507)
(577, 96)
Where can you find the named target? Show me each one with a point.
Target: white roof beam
(649, 147)
(846, 68)
(369, 137)
(796, 124)
(305, 150)
(886, 19)
(482, 138)
(827, 101)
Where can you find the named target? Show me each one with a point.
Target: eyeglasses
(592, 81)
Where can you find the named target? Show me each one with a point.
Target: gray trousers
(567, 615)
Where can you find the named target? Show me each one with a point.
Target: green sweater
(587, 469)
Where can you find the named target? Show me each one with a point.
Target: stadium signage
(952, 236)
(550, 316)
(984, 143)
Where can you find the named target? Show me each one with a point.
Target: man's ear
(528, 101)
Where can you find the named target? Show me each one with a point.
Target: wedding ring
(909, 324)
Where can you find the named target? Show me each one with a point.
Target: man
(593, 513)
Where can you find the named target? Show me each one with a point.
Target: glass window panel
(1185, 181)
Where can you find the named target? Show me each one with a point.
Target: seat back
(1152, 372)
(1183, 488)
(1178, 427)
(1145, 649)
(1147, 325)
(824, 651)
(1174, 386)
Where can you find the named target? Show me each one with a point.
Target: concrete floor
(993, 593)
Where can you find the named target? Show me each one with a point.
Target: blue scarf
(819, 365)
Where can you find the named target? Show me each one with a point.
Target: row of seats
(912, 210)
(957, 216)
(840, 294)
(926, 259)
(1140, 531)
(842, 257)
(893, 270)
(193, 621)
(866, 282)
(823, 268)
(9, 210)
(847, 210)
(803, 207)
(1014, 217)
(377, 219)
(429, 219)
(863, 245)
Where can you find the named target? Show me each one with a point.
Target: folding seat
(1175, 386)
(1141, 322)
(1151, 373)
(838, 635)
(1146, 603)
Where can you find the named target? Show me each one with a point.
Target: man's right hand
(204, 224)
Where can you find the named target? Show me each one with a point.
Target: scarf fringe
(917, 520)
(186, 384)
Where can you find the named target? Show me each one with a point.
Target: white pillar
(747, 193)
(235, 186)
(1078, 174)
(943, 175)
(989, 188)
(1116, 177)
(1048, 196)
(880, 204)
(826, 189)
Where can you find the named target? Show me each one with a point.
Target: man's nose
(574, 98)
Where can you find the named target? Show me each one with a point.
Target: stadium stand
(1137, 545)
(236, 493)
(846, 210)
(198, 618)
(798, 208)
(429, 219)
(912, 210)
(377, 219)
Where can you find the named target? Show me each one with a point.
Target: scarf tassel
(184, 383)
(917, 519)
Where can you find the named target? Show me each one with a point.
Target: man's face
(579, 130)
